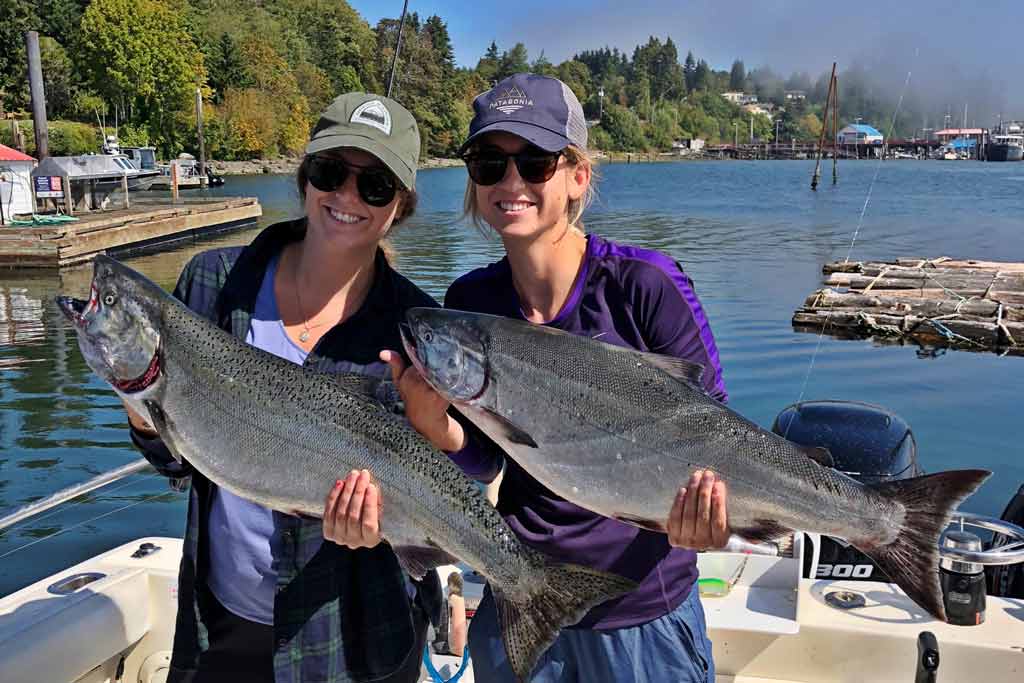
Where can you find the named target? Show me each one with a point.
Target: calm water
(752, 236)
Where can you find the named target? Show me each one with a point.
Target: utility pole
(35, 82)
(398, 47)
(751, 129)
(735, 133)
(600, 104)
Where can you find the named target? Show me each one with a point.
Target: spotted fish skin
(618, 432)
(280, 435)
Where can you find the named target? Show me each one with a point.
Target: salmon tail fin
(529, 627)
(911, 561)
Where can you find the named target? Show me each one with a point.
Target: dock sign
(49, 186)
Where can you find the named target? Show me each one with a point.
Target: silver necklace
(304, 335)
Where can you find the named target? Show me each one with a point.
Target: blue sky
(938, 40)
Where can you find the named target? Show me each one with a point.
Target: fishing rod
(72, 492)
(398, 47)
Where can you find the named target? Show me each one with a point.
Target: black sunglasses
(487, 166)
(377, 186)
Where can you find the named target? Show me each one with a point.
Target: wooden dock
(146, 225)
(970, 305)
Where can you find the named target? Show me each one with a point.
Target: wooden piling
(35, 82)
(199, 130)
(824, 126)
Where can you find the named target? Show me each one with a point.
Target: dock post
(69, 203)
(35, 82)
(174, 180)
(835, 127)
(824, 126)
(124, 187)
(199, 129)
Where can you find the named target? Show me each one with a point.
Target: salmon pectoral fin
(417, 560)
(762, 531)
(158, 418)
(649, 524)
(510, 431)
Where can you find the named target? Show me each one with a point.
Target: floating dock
(145, 226)
(970, 305)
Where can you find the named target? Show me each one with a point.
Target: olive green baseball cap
(374, 124)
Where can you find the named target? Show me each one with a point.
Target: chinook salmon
(280, 435)
(618, 431)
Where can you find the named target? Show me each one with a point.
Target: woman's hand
(698, 519)
(352, 512)
(425, 409)
(138, 422)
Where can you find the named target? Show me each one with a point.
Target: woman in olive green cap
(264, 596)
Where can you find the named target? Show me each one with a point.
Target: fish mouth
(73, 309)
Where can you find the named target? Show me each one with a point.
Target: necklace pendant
(304, 336)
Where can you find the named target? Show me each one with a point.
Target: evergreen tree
(690, 72)
(513, 61)
(701, 76)
(487, 67)
(542, 66)
(226, 68)
(441, 42)
(737, 77)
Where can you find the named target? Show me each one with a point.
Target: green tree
(701, 76)
(139, 52)
(226, 68)
(623, 128)
(441, 43)
(737, 76)
(690, 72)
(576, 75)
(58, 77)
(513, 61)
(487, 67)
(16, 17)
(542, 66)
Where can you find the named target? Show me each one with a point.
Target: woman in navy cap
(530, 179)
(264, 596)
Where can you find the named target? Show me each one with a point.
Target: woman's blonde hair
(455, 583)
(574, 210)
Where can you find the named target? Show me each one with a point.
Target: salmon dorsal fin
(687, 371)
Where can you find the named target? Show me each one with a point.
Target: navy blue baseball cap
(539, 109)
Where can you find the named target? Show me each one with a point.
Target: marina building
(15, 183)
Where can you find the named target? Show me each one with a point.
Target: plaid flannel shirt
(340, 615)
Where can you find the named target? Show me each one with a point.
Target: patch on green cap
(374, 124)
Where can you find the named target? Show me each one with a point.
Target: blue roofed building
(859, 134)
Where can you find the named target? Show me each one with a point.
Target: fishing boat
(189, 176)
(814, 611)
(1005, 147)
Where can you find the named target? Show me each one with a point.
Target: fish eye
(109, 299)
(428, 337)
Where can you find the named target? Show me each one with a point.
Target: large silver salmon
(280, 435)
(617, 431)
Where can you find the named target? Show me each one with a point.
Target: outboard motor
(866, 442)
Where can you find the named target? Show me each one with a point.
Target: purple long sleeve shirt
(630, 297)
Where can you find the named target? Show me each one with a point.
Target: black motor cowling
(867, 442)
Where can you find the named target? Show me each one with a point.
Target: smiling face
(341, 217)
(517, 209)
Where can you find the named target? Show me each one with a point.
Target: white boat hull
(772, 627)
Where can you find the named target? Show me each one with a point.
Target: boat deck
(145, 224)
(969, 305)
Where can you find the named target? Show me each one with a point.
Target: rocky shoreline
(289, 165)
